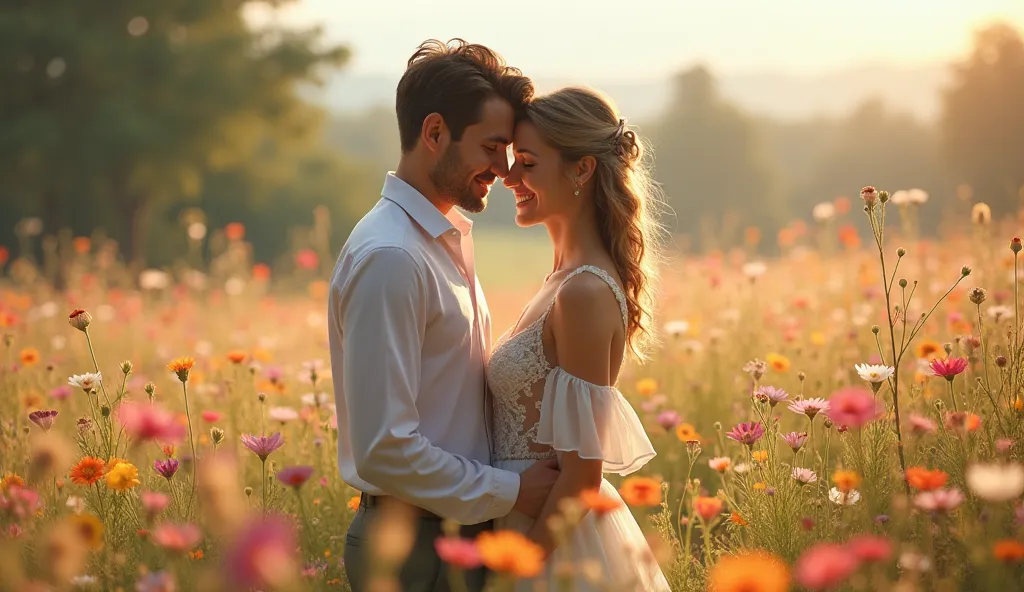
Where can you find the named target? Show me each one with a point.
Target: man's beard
(451, 179)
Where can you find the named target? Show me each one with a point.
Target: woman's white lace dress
(541, 410)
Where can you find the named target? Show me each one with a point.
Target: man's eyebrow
(500, 139)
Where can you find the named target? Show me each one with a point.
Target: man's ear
(434, 133)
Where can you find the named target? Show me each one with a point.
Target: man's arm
(382, 308)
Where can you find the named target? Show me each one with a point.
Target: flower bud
(948, 347)
(901, 252)
(262, 397)
(977, 295)
(80, 319)
(875, 329)
(8, 339)
(903, 282)
(883, 196)
(828, 423)
(248, 492)
(1001, 361)
(869, 195)
(1015, 245)
(965, 271)
(150, 389)
(127, 367)
(801, 375)
(105, 411)
(216, 435)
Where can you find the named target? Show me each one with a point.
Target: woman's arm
(585, 321)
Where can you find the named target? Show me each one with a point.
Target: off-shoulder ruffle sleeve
(595, 421)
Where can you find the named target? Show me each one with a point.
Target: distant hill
(787, 96)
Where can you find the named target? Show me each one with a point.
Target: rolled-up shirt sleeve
(382, 308)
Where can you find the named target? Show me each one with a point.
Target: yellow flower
(846, 481)
(778, 362)
(685, 432)
(759, 455)
(123, 476)
(506, 551)
(90, 528)
(760, 486)
(818, 338)
(646, 386)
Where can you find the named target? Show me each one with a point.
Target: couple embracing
(430, 414)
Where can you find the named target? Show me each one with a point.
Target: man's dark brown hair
(454, 80)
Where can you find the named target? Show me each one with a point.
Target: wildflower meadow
(838, 408)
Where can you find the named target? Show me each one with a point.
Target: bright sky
(640, 39)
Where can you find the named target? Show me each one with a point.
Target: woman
(579, 171)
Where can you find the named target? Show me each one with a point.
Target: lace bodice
(516, 372)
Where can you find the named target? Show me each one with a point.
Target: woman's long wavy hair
(582, 122)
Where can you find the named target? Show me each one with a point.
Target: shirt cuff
(506, 491)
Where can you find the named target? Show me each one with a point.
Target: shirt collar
(422, 211)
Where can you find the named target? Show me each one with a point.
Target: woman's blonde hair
(582, 122)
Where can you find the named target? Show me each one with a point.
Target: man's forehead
(497, 122)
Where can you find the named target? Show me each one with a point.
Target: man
(409, 326)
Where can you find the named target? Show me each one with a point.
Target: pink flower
(262, 446)
(154, 502)
(461, 553)
(939, 500)
(295, 476)
(166, 467)
(948, 368)
(669, 419)
(19, 502)
(43, 419)
(824, 566)
(210, 416)
(868, 548)
(795, 440)
(809, 407)
(145, 422)
(746, 432)
(61, 392)
(770, 395)
(177, 538)
(852, 406)
(263, 555)
(921, 424)
(1003, 445)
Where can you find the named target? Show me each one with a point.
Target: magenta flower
(144, 422)
(263, 555)
(771, 395)
(948, 368)
(853, 407)
(825, 566)
(461, 553)
(809, 407)
(746, 433)
(177, 538)
(262, 446)
(796, 440)
(154, 502)
(19, 503)
(43, 419)
(166, 467)
(61, 392)
(869, 548)
(669, 419)
(939, 501)
(295, 476)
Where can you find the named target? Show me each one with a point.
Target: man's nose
(511, 179)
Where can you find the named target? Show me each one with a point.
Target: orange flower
(597, 503)
(11, 480)
(81, 244)
(778, 362)
(261, 272)
(846, 481)
(926, 480)
(686, 433)
(760, 486)
(755, 571)
(735, 518)
(1008, 551)
(181, 367)
(848, 236)
(752, 236)
(786, 237)
(641, 491)
(235, 231)
(237, 357)
(29, 356)
(510, 552)
(759, 456)
(646, 386)
(195, 555)
(928, 349)
(707, 507)
(88, 471)
(353, 503)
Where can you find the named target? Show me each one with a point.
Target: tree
(126, 103)
(983, 122)
(711, 163)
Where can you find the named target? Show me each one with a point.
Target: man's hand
(535, 484)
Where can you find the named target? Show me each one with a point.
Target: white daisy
(847, 499)
(874, 372)
(87, 381)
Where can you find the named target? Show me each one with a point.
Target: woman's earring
(577, 192)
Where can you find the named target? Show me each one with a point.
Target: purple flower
(43, 419)
(771, 395)
(166, 467)
(796, 440)
(262, 446)
(669, 419)
(746, 432)
(809, 407)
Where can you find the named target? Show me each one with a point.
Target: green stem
(264, 487)
(192, 443)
